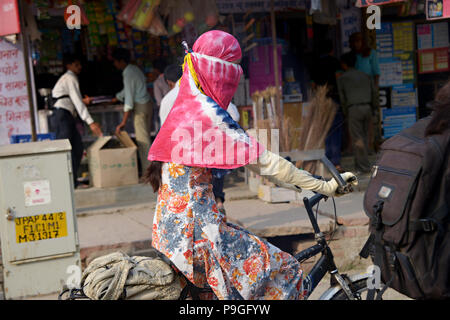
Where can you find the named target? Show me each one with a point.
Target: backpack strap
(376, 242)
(427, 225)
(54, 99)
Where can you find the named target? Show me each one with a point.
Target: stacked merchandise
(111, 24)
(42, 9)
(102, 29)
(154, 46)
(122, 34)
(143, 15)
(139, 40)
(170, 17)
(51, 57)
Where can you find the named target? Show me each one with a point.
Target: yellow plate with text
(41, 227)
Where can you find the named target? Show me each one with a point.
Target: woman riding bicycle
(198, 137)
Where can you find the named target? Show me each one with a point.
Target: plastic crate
(22, 138)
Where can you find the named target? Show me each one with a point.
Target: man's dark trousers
(62, 123)
(359, 117)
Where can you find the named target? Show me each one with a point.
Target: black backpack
(407, 201)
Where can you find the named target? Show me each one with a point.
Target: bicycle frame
(326, 261)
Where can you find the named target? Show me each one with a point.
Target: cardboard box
(112, 162)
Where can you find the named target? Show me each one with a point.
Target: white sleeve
(233, 111)
(164, 109)
(284, 173)
(75, 96)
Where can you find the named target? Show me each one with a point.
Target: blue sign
(396, 119)
(21, 138)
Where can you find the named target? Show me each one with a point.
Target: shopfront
(412, 52)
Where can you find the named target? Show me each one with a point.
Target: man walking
(68, 99)
(136, 98)
(359, 102)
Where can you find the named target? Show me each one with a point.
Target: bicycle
(342, 287)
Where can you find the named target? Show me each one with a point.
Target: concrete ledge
(97, 197)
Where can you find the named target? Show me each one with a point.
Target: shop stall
(413, 50)
(411, 45)
(280, 41)
(151, 30)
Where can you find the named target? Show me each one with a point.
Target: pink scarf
(198, 131)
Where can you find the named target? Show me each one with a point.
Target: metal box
(38, 229)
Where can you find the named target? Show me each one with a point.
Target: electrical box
(38, 229)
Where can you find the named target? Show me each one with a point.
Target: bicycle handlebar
(343, 187)
(327, 163)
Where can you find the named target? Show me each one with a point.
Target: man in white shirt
(172, 74)
(135, 98)
(68, 103)
(160, 89)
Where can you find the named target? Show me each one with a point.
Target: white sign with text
(14, 106)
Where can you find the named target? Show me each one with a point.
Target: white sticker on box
(37, 192)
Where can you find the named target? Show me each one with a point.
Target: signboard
(9, 17)
(350, 23)
(390, 72)
(261, 69)
(41, 227)
(395, 48)
(433, 60)
(366, 3)
(404, 48)
(384, 96)
(242, 6)
(396, 119)
(433, 35)
(433, 46)
(14, 106)
(404, 96)
(437, 9)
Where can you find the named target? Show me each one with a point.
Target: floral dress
(211, 252)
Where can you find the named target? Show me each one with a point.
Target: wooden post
(26, 53)
(277, 107)
(275, 55)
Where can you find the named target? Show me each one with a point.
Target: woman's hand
(347, 177)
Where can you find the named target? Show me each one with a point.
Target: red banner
(366, 3)
(433, 60)
(9, 17)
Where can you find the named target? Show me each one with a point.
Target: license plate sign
(41, 227)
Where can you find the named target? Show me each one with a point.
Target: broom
(315, 125)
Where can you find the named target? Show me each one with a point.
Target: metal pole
(24, 39)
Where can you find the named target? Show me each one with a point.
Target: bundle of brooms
(315, 126)
(269, 115)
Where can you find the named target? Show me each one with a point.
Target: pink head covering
(199, 131)
(218, 80)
